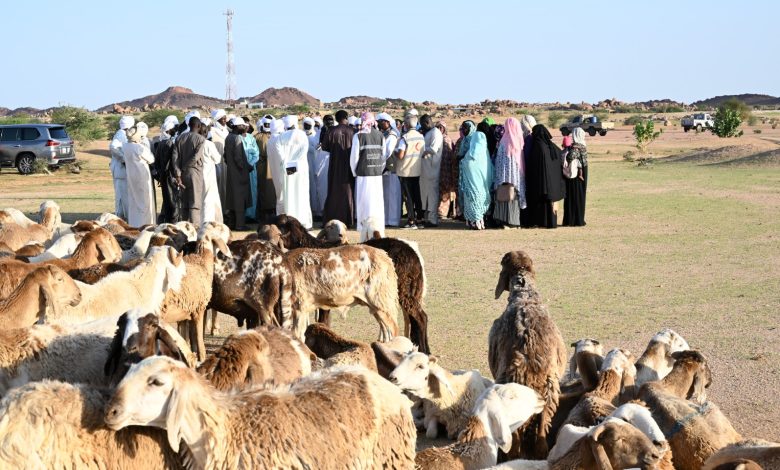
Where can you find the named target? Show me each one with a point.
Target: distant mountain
(747, 98)
(279, 97)
(27, 111)
(173, 97)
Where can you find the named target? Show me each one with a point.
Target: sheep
(11, 215)
(45, 288)
(140, 335)
(499, 411)
(63, 247)
(17, 235)
(338, 350)
(372, 229)
(389, 354)
(144, 287)
(55, 425)
(656, 362)
(260, 356)
(526, 347)
(637, 414)
(345, 276)
(618, 371)
(343, 418)
(407, 260)
(757, 452)
(695, 428)
(448, 398)
(587, 359)
(30, 249)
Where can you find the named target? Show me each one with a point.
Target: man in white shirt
(117, 166)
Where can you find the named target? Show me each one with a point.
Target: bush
(645, 134)
(82, 125)
(20, 118)
(634, 120)
(727, 122)
(752, 120)
(601, 114)
(554, 118)
(299, 109)
(629, 156)
(40, 167)
(157, 116)
(756, 131)
(740, 107)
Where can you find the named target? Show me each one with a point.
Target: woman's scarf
(466, 140)
(513, 141)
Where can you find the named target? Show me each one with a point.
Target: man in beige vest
(409, 167)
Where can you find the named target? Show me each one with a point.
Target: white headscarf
(352, 120)
(318, 120)
(126, 122)
(138, 132)
(527, 123)
(191, 115)
(277, 127)
(290, 121)
(218, 114)
(310, 122)
(237, 121)
(578, 136)
(206, 122)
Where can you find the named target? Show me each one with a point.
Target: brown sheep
(526, 347)
(695, 428)
(46, 288)
(265, 355)
(751, 453)
(337, 350)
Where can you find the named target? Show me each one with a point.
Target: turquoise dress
(476, 177)
(252, 152)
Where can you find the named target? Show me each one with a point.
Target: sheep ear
(698, 388)
(177, 414)
(599, 454)
(102, 252)
(115, 349)
(171, 349)
(501, 432)
(49, 303)
(503, 282)
(222, 247)
(441, 378)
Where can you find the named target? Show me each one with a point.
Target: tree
(645, 134)
(740, 107)
(82, 125)
(554, 118)
(157, 116)
(727, 122)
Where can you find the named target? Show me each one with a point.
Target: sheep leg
(388, 328)
(431, 428)
(323, 316)
(214, 326)
(417, 329)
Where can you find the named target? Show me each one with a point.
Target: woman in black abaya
(544, 179)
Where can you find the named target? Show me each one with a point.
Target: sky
(93, 53)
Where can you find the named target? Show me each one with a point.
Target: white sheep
(448, 398)
(345, 418)
(499, 411)
(62, 248)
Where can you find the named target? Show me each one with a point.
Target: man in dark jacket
(239, 194)
(187, 168)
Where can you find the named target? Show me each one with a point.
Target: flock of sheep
(103, 362)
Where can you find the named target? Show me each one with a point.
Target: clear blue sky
(93, 53)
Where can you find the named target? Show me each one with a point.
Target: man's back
(188, 150)
(339, 140)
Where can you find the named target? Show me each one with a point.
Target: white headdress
(126, 122)
(290, 121)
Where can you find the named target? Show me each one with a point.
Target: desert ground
(690, 242)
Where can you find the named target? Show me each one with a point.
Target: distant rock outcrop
(749, 99)
(281, 97)
(175, 97)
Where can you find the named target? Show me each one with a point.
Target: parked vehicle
(590, 123)
(22, 144)
(698, 121)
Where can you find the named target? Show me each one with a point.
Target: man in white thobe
(391, 185)
(367, 162)
(117, 166)
(431, 168)
(314, 147)
(138, 157)
(288, 158)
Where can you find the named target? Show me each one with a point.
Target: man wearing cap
(341, 183)
(391, 186)
(163, 150)
(117, 166)
(408, 168)
(138, 157)
(288, 156)
(187, 167)
(219, 132)
(367, 162)
(238, 196)
(266, 194)
(309, 127)
(431, 167)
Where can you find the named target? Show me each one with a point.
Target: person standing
(187, 164)
(448, 175)
(318, 170)
(138, 157)
(288, 153)
(430, 170)
(265, 206)
(219, 132)
(163, 151)
(408, 168)
(367, 163)
(509, 175)
(476, 176)
(339, 203)
(391, 185)
(238, 193)
(117, 166)
(574, 202)
(212, 205)
(544, 178)
(252, 152)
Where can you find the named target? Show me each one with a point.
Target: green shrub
(645, 134)
(727, 122)
(740, 107)
(554, 118)
(40, 167)
(634, 120)
(752, 120)
(157, 116)
(82, 125)
(20, 118)
(299, 109)
(629, 156)
(602, 114)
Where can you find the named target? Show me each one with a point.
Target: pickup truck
(698, 121)
(590, 123)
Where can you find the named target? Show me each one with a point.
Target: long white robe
(119, 173)
(292, 191)
(318, 174)
(429, 176)
(140, 200)
(369, 196)
(391, 187)
(212, 205)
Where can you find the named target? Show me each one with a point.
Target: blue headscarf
(465, 142)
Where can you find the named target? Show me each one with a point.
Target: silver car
(22, 144)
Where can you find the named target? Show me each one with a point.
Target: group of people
(366, 172)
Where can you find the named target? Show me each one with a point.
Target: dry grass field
(691, 243)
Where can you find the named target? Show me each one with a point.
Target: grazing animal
(45, 289)
(656, 362)
(337, 350)
(342, 418)
(526, 347)
(751, 454)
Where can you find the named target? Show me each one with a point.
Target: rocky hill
(280, 97)
(173, 97)
(749, 99)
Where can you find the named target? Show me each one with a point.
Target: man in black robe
(339, 204)
(187, 167)
(163, 151)
(239, 195)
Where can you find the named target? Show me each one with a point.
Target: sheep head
(505, 408)
(617, 444)
(512, 264)
(188, 228)
(49, 215)
(621, 361)
(56, 289)
(702, 374)
(420, 375)
(640, 417)
(217, 230)
(588, 344)
(108, 249)
(83, 226)
(272, 234)
(335, 231)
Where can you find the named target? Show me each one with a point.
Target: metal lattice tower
(230, 69)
